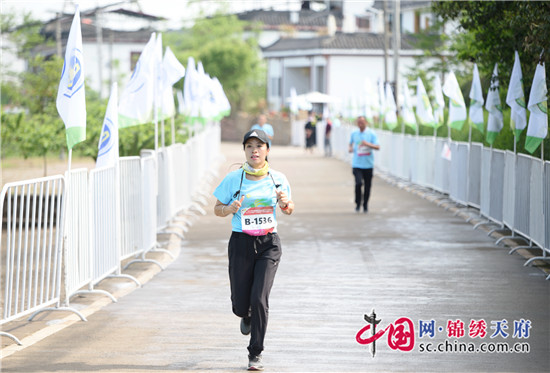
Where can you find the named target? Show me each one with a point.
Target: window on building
(363, 23)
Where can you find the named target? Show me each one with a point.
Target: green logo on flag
(543, 106)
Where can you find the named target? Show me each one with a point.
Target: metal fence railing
(65, 234)
(32, 241)
(509, 190)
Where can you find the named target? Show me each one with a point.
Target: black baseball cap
(259, 134)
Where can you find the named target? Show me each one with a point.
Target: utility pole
(396, 48)
(59, 48)
(386, 40)
(99, 41)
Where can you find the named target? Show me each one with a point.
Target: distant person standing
(311, 137)
(264, 126)
(362, 143)
(328, 146)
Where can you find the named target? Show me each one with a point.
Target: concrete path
(407, 258)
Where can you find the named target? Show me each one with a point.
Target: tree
(219, 43)
(41, 131)
(489, 32)
(493, 30)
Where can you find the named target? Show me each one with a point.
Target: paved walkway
(406, 258)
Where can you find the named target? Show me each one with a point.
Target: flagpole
(64, 297)
(163, 144)
(155, 105)
(173, 129)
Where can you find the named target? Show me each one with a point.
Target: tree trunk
(45, 165)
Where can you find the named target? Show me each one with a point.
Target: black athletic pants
(253, 262)
(362, 175)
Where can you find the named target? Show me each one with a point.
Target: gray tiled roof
(89, 32)
(306, 18)
(338, 41)
(410, 4)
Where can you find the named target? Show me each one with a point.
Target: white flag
(439, 103)
(203, 93)
(423, 107)
(181, 102)
(108, 140)
(159, 85)
(476, 102)
(457, 107)
(137, 97)
(71, 99)
(390, 115)
(493, 106)
(538, 118)
(221, 99)
(172, 72)
(515, 98)
(407, 112)
(191, 89)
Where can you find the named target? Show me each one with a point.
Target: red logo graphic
(400, 335)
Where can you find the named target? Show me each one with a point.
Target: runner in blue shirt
(251, 195)
(264, 126)
(362, 143)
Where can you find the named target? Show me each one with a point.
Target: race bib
(258, 221)
(363, 150)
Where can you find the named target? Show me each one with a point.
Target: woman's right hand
(234, 206)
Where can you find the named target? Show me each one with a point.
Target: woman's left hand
(282, 198)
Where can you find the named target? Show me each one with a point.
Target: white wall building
(308, 55)
(339, 65)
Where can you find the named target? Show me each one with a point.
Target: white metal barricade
(34, 211)
(522, 194)
(509, 191)
(165, 201)
(485, 191)
(474, 175)
(442, 167)
(77, 232)
(419, 177)
(497, 184)
(511, 199)
(546, 208)
(458, 186)
(104, 223)
(429, 150)
(383, 161)
(397, 155)
(131, 209)
(409, 157)
(537, 219)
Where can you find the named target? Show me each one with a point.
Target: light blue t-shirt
(267, 128)
(260, 193)
(363, 156)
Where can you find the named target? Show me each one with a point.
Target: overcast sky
(174, 10)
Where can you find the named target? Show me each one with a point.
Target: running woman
(251, 195)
